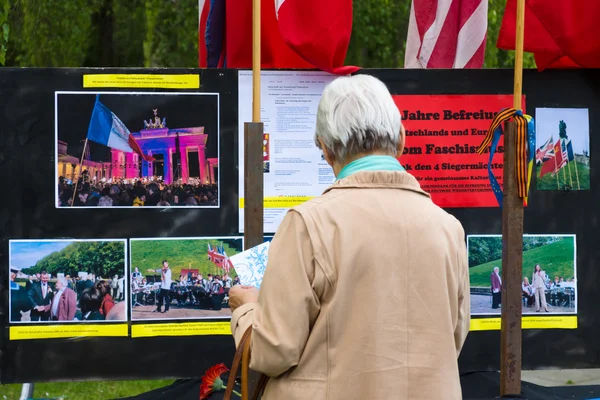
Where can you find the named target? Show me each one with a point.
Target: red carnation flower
(212, 382)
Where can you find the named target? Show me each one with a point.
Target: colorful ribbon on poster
(525, 150)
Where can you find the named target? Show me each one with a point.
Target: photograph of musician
(136, 273)
(538, 281)
(528, 292)
(165, 287)
(50, 284)
(192, 282)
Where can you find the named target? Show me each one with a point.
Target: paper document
(250, 265)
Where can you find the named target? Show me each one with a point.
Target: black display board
(27, 169)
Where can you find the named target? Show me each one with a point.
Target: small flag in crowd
(218, 256)
(107, 129)
(446, 34)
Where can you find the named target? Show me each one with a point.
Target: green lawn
(556, 259)
(180, 253)
(549, 182)
(104, 390)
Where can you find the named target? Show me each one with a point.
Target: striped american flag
(446, 34)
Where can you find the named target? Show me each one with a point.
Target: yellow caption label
(150, 81)
(549, 322)
(181, 329)
(67, 331)
(281, 201)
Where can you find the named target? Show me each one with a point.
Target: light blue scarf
(371, 163)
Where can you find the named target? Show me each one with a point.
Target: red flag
(446, 34)
(555, 163)
(319, 31)
(136, 148)
(308, 34)
(275, 53)
(548, 167)
(560, 33)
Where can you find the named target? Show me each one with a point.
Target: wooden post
(253, 168)
(253, 184)
(512, 239)
(512, 270)
(253, 148)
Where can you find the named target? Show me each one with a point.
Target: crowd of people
(65, 299)
(540, 292)
(138, 193)
(191, 289)
(543, 291)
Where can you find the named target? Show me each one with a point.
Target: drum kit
(146, 294)
(193, 295)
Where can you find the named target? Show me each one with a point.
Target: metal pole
(26, 391)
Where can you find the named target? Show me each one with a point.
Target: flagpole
(569, 167)
(253, 202)
(256, 58)
(576, 173)
(80, 168)
(512, 237)
(556, 168)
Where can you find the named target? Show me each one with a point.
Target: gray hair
(63, 281)
(496, 269)
(357, 115)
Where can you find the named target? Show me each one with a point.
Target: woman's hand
(240, 295)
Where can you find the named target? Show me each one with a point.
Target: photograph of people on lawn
(549, 281)
(67, 281)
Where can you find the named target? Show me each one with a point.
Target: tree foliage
(4, 29)
(484, 249)
(101, 258)
(164, 33)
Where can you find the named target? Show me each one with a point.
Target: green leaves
(102, 258)
(5, 30)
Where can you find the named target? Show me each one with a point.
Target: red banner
(443, 133)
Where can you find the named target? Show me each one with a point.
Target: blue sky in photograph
(26, 254)
(578, 126)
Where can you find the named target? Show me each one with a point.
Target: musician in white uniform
(165, 287)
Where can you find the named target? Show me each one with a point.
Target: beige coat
(365, 296)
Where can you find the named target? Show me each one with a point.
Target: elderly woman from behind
(323, 326)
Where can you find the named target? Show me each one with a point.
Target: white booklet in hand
(250, 265)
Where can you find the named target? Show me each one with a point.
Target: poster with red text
(443, 133)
